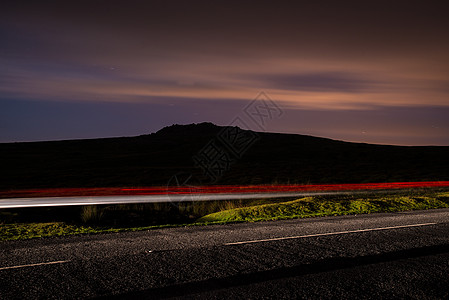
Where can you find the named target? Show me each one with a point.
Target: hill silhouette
(246, 158)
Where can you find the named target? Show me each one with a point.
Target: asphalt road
(394, 255)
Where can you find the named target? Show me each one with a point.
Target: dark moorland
(249, 158)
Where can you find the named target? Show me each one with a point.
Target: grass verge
(322, 206)
(22, 231)
(257, 211)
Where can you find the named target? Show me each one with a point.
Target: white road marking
(328, 233)
(35, 265)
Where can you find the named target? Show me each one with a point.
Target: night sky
(364, 71)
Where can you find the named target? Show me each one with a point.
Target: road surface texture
(379, 256)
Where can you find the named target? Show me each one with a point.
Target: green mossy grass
(261, 210)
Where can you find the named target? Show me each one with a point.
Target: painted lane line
(327, 234)
(35, 265)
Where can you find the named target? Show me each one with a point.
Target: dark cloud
(345, 28)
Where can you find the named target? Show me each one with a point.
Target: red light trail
(219, 189)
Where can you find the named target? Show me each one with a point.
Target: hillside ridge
(247, 157)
